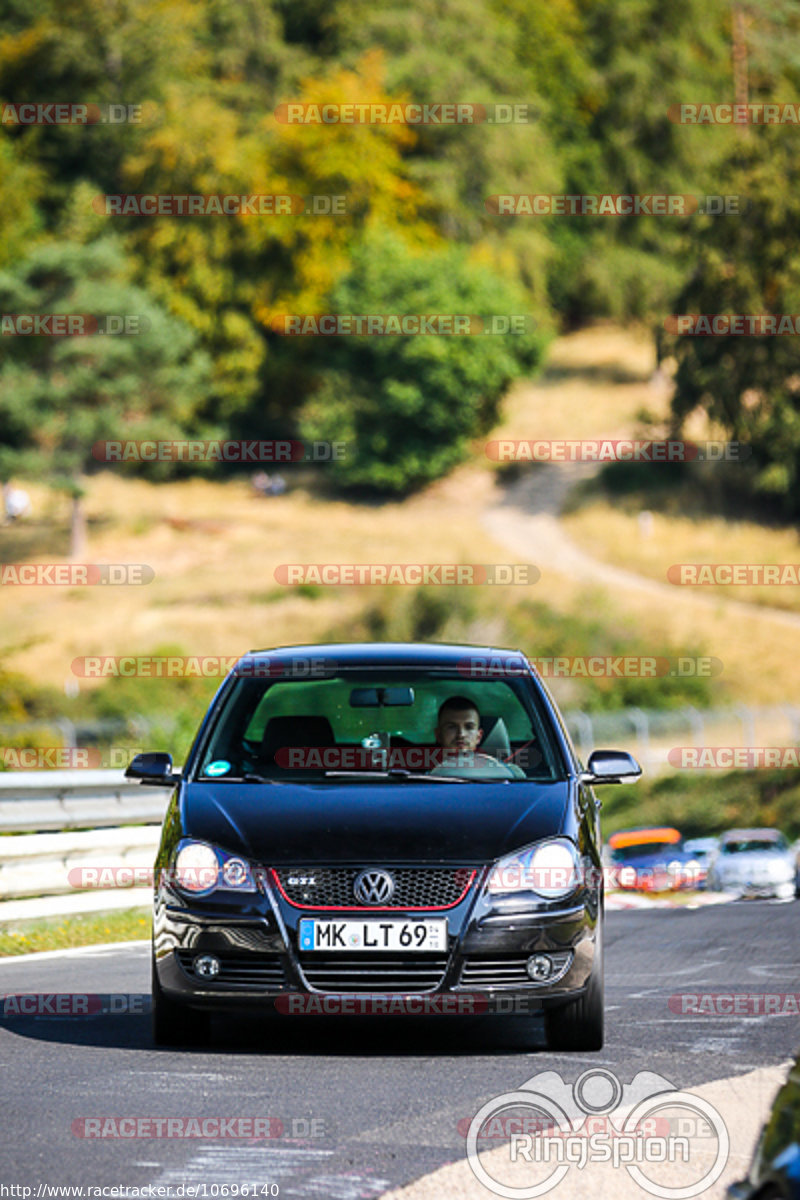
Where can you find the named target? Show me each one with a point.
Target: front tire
(174, 1024)
(579, 1024)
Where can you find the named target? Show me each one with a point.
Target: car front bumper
(483, 970)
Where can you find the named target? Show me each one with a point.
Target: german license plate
(323, 934)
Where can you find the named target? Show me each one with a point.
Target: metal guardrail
(72, 828)
(118, 817)
(53, 864)
(31, 801)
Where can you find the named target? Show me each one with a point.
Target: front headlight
(552, 869)
(200, 868)
(782, 871)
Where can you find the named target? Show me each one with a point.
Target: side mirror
(611, 766)
(154, 768)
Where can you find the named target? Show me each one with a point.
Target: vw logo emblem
(373, 887)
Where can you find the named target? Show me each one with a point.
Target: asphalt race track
(365, 1105)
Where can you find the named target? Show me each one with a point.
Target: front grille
(414, 887)
(505, 972)
(373, 972)
(237, 970)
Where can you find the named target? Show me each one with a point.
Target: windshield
(640, 849)
(752, 845)
(393, 724)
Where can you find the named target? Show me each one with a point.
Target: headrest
(495, 737)
(295, 731)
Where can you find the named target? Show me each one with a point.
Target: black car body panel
(446, 822)
(304, 844)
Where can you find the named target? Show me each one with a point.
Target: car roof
(743, 835)
(392, 654)
(641, 837)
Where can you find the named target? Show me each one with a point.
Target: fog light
(207, 966)
(539, 966)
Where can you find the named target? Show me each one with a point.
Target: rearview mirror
(389, 697)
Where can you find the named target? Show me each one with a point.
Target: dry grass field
(215, 547)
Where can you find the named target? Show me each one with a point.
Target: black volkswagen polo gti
(381, 828)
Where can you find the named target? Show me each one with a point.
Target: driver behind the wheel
(458, 726)
(459, 733)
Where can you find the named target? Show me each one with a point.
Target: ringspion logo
(641, 1126)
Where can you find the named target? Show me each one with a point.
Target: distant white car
(753, 863)
(702, 851)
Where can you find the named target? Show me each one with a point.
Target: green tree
(750, 385)
(61, 395)
(750, 265)
(408, 406)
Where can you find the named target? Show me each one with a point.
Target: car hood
(293, 824)
(655, 860)
(749, 860)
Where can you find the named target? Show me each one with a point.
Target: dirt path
(526, 521)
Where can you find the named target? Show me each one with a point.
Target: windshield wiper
(247, 778)
(395, 773)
